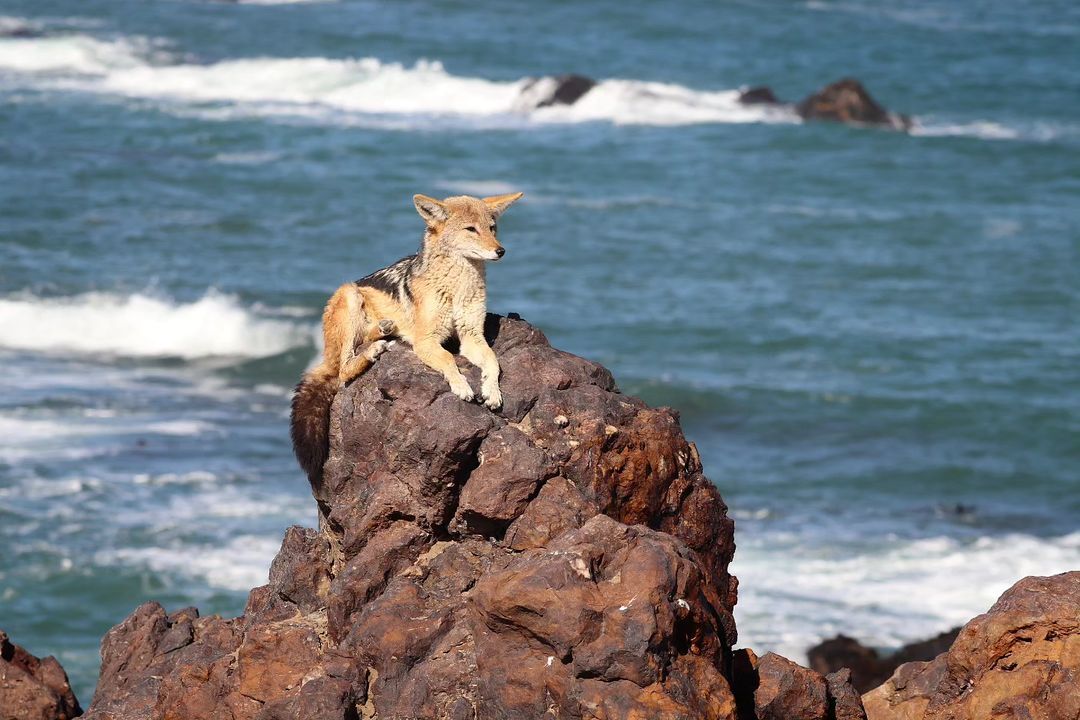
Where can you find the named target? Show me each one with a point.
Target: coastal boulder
(1019, 660)
(847, 101)
(564, 557)
(33, 688)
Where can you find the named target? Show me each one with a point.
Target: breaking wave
(344, 90)
(790, 599)
(140, 325)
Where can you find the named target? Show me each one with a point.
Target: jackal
(423, 299)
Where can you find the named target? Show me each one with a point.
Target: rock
(786, 690)
(775, 688)
(868, 669)
(844, 700)
(557, 90)
(564, 557)
(758, 95)
(33, 688)
(847, 101)
(1019, 660)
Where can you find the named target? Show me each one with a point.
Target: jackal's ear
(430, 209)
(498, 203)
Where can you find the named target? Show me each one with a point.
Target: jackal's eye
(471, 228)
(494, 227)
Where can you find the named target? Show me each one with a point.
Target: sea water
(871, 336)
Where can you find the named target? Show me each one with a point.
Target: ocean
(871, 336)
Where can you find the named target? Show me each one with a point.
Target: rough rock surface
(775, 688)
(33, 688)
(564, 557)
(1019, 660)
(868, 669)
(847, 101)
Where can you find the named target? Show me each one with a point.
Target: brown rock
(564, 557)
(847, 101)
(844, 700)
(868, 669)
(786, 690)
(33, 688)
(1019, 660)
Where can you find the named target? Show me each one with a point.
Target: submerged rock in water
(847, 101)
(563, 557)
(868, 669)
(1019, 660)
(553, 90)
(33, 688)
(759, 95)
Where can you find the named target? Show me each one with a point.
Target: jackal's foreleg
(434, 355)
(476, 350)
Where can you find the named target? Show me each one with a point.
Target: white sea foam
(144, 326)
(239, 564)
(348, 89)
(790, 599)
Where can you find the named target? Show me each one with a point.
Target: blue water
(871, 336)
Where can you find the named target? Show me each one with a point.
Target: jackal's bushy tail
(310, 420)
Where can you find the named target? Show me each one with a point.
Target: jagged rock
(553, 90)
(564, 557)
(759, 95)
(847, 101)
(868, 669)
(33, 688)
(775, 688)
(1019, 660)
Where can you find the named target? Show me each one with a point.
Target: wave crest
(141, 325)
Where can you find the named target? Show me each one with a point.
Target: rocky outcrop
(564, 557)
(1019, 660)
(33, 688)
(868, 668)
(847, 101)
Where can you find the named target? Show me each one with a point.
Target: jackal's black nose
(500, 252)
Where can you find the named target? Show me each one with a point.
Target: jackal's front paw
(377, 348)
(462, 390)
(492, 396)
(387, 327)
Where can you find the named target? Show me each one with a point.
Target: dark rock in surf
(868, 668)
(759, 95)
(847, 101)
(557, 90)
(33, 688)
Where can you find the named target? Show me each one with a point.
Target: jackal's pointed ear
(430, 209)
(498, 203)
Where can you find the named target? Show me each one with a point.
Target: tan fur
(447, 298)
(344, 324)
(449, 290)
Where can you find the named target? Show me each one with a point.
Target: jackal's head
(464, 225)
